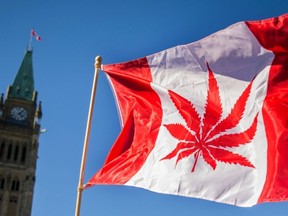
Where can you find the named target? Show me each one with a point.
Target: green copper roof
(23, 85)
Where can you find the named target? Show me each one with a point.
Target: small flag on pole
(207, 119)
(33, 33)
(36, 36)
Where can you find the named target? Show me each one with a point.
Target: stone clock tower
(19, 133)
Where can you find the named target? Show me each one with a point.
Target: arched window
(2, 182)
(15, 185)
(9, 153)
(2, 149)
(16, 150)
(23, 155)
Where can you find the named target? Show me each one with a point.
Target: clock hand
(21, 112)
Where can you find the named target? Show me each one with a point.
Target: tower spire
(23, 85)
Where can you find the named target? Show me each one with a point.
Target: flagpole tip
(98, 62)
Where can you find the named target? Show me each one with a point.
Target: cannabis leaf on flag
(195, 139)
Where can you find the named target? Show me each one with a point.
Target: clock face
(19, 113)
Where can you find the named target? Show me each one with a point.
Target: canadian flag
(33, 33)
(206, 120)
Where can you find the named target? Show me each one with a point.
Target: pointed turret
(23, 85)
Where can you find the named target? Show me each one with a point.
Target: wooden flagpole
(97, 65)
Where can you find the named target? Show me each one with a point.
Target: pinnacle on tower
(23, 85)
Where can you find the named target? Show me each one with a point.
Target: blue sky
(73, 33)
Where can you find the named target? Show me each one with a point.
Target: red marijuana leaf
(205, 136)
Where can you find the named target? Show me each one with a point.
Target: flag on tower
(33, 33)
(206, 119)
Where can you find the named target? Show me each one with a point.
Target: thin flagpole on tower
(30, 41)
(97, 65)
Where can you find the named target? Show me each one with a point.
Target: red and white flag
(206, 120)
(33, 33)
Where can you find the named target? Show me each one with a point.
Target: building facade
(20, 116)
